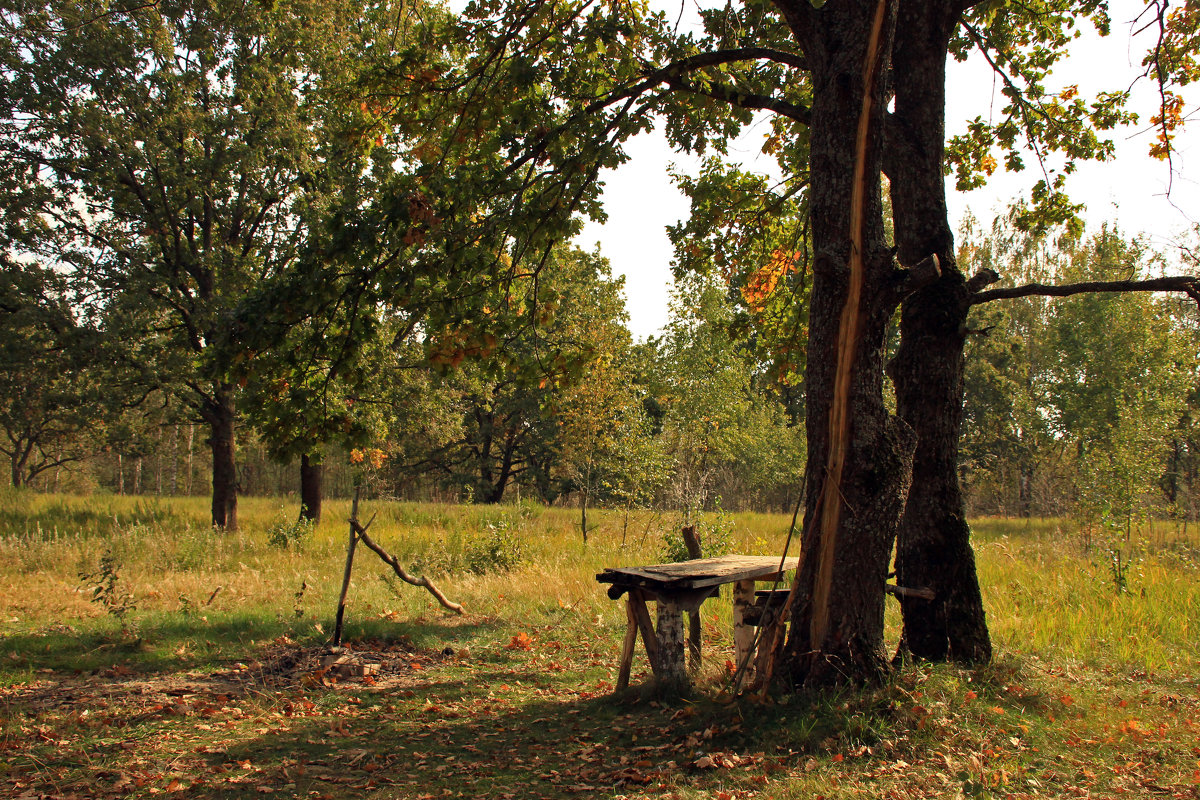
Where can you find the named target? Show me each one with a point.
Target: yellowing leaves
(1169, 118)
(370, 455)
(761, 283)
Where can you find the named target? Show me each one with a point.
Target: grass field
(190, 666)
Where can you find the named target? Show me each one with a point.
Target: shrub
(499, 550)
(716, 536)
(288, 534)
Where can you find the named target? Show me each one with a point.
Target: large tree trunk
(933, 549)
(221, 416)
(858, 454)
(934, 546)
(311, 473)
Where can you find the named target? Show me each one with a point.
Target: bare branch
(1179, 283)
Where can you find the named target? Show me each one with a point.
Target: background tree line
(1079, 406)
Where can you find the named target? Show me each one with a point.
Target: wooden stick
(904, 591)
(401, 573)
(341, 609)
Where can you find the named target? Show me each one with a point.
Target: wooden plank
(743, 634)
(697, 573)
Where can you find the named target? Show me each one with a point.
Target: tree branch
(401, 573)
(748, 100)
(1188, 284)
(666, 75)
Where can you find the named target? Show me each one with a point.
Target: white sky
(641, 200)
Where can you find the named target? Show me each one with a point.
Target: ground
(534, 717)
(197, 669)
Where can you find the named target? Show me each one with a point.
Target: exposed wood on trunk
(847, 343)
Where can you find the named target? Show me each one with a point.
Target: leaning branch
(403, 575)
(1188, 284)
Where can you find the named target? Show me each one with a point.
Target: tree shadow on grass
(171, 642)
(497, 722)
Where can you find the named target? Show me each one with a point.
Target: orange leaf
(522, 641)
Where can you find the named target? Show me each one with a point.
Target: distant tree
(56, 377)
(183, 152)
(510, 389)
(604, 443)
(719, 421)
(1116, 386)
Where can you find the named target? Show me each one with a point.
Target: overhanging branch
(672, 73)
(747, 100)
(1188, 284)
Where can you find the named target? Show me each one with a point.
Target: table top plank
(697, 573)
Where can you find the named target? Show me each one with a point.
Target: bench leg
(743, 634)
(694, 634)
(670, 643)
(627, 647)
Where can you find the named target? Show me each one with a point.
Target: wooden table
(680, 587)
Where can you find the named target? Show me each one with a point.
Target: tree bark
(933, 548)
(221, 415)
(311, 474)
(858, 460)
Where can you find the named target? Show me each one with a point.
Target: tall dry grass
(1048, 592)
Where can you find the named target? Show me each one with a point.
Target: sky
(641, 200)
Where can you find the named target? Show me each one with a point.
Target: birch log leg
(743, 634)
(627, 647)
(670, 643)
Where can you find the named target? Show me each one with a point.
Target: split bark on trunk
(859, 456)
(311, 474)
(933, 548)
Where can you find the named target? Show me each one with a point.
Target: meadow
(143, 653)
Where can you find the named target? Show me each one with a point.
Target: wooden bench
(680, 587)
